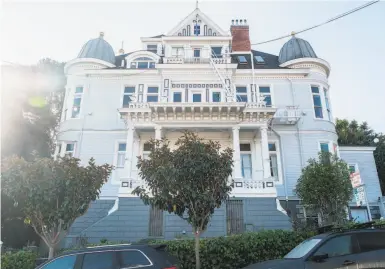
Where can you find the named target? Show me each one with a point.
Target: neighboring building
(274, 111)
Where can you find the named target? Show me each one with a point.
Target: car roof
(335, 233)
(113, 248)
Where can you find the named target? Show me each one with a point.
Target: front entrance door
(234, 217)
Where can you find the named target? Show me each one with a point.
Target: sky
(354, 45)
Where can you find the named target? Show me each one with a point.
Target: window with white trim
(153, 48)
(177, 52)
(265, 94)
(317, 104)
(129, 91)
(177, 97)
(324, 147)
(241, 94)
(77, 102)
(142, 63)
(273, 161)
(146, 151)
(152, 94)
(327, 105)
(246, 162)
(70, 149)
(216, 97)
(121, 155)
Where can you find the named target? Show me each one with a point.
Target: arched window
(188, 30)
(179, 34)
(210, 32)
(205, 30)
(184, 32)
(214, 34)
(142, 63)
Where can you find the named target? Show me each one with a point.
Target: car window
(302, 249)
(99, 260)
(369, 241)
(133, 258)
(66, 262)
(337, 246)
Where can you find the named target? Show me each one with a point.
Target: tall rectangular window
(273, 161)
(177, 52)
(177, 97)
(197, 97)
(216, 52)
(324, 147)
(70, 149)
(129, 91)
(216, 97)
(197, 29)
(152, 94)
(241, 94)
(327, 105)
(266, 95)
(317, 102)
(121, 158)
(246, 160)
(77, 102)
(152, 48)
(146, 150)
(197, 53)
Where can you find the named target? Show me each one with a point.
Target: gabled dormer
(197, 24)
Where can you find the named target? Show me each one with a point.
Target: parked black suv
(356, 248)
(114, 257)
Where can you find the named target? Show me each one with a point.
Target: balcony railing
(195, 60)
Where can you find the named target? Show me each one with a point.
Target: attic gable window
(142, 63)
(242, 59)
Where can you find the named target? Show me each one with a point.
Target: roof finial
(101, 34)
(292, 33)
(196, 5)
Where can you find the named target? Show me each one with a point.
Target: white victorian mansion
(274, 111)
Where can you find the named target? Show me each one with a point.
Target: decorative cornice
(357, 148)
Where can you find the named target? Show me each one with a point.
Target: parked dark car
(114, 257)
(361, 248)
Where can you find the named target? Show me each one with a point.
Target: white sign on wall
(359, 195)
(355, 178)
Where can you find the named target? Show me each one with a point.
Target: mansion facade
(274, 111)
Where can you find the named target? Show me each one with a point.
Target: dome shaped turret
(98, 48)
(295, 48)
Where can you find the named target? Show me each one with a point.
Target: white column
(237, 154)
(135, 154)
(158, 132)
(129, 147)
(265, 152)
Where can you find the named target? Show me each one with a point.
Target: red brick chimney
(240, 33)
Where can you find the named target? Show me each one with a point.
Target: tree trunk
(197, 246)
(51, 252)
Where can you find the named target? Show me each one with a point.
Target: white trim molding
(357, 148)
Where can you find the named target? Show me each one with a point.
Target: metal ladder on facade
(228, 87)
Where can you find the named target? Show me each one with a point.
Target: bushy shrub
(18, 260)
(236, 251)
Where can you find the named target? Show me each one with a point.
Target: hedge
(236, 251)
(18, 260)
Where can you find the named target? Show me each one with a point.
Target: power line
(318, 25)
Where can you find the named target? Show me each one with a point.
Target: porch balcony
(241, 188)
(288, 115)
(235, 112)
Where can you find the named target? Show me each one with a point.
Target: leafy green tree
(52, 193)
(192, 179)
(325, 186)
(354, 134)
(32, 98)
